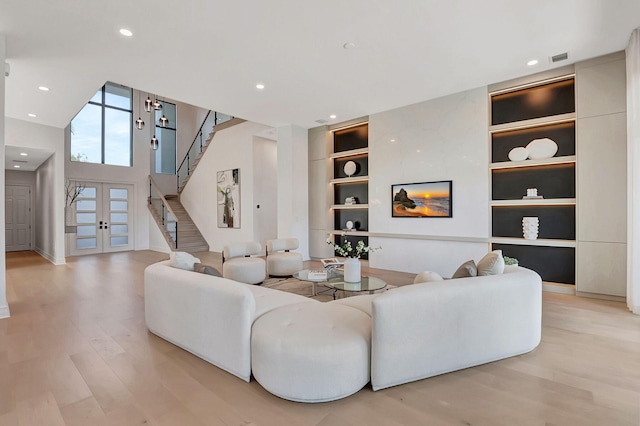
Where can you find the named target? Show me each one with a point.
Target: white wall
(49, 211)
(15, 177)
(293, 186)
(231, 148)
(4, 307)
(49, 223)
(441, 139)
(265, 189)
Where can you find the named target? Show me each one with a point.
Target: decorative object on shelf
(425, 199)
(349, 225)
(510, 261)
(350, 201)
(541, 148)
(352, 270)
(532, 194)
(518, 154)
(530, 227)
(229, 198)
(350, 168)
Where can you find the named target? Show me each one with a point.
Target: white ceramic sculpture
(518, 154)
(541, 148)
(349, 225)
(530, 227)
(350, 168)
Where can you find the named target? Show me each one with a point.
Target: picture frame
(228, 197)
(422, 199)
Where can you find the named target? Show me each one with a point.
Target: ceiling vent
(560, 57)
(321, 121)
(20, 161)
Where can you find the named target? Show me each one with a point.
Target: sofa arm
(208, 316)
(423, 330)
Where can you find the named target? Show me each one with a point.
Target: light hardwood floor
(76, 352)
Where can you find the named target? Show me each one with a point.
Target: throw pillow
(206, 269)
(427, 276)
(182, 260)
(467, 269)
(491, 264)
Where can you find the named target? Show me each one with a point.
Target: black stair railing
(208, 125)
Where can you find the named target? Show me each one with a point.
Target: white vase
(530, 228)
(352, 269)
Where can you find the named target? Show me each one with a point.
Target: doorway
(17, 205)
(103, 213)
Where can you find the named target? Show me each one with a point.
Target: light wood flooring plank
(76, 351)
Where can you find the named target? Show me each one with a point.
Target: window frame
(103, 105)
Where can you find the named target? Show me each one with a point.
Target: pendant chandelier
(154, 143)
(139, 122)
(148, 104)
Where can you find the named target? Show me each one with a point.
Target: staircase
(174, 222)
(214, 121)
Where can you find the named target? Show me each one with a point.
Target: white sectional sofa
(308, 351)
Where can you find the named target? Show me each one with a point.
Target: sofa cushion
(426, 277)
(182, 260)
(467, 269)
(268, 299)
(361, 302)
(206, 269)
(491, 264)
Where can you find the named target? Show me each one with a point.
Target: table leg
(314, 291)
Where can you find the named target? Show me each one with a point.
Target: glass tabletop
(369, 284)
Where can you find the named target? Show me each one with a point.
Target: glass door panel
(103, 215)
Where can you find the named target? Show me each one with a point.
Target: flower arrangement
(346, 249)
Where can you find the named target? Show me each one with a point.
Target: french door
(104, 216)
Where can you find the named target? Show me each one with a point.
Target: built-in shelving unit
(519, 115)
(350, 144)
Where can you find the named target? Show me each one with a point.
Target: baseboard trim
(50, 257)
(559, 288)
(601, 296)
(4, 312)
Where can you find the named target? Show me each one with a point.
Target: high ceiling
(212, 53)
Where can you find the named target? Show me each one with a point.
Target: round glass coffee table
(335, 281)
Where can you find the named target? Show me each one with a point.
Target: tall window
(166, 152)
(101, 131)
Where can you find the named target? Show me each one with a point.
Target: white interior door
(17, 213)
(104, 217)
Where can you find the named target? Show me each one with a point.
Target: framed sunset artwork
(425, 199)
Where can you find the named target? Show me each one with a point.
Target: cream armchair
(239, 265)
(281, 261)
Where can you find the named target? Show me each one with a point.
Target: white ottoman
(248, 270)
(312, 352)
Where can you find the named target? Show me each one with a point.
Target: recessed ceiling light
(349, 45)
(125, 32)
(332, 116)
(532, 62)
(32, 115)
(24, 154)
(43, 88)
(260, 86)
(392, 140)
(17, 166)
